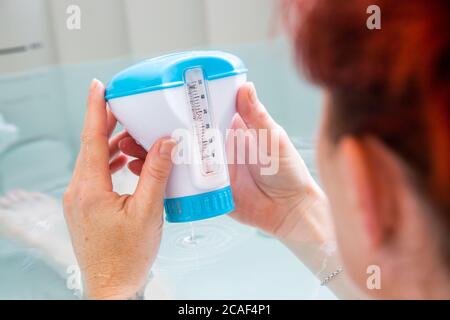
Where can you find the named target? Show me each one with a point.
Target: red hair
(391, 83)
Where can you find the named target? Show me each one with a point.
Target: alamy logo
(256, 147)
(374, 280)
(73, 281)
(73, 21)
(374, 20)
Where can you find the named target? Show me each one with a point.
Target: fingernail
(252, 95)
(121, 143)
(94, 84)
(165, 149)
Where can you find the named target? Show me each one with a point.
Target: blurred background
(49, 52)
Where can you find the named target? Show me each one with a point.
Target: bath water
(192, 238)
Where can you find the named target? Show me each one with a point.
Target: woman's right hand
(286, 203)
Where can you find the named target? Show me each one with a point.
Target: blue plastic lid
(168, 72)
(200, 206)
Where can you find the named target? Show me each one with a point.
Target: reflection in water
(192, 238)
(39, 164)
(192, 245)
(23, 275)
(8, 134)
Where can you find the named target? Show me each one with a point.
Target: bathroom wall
(103, 30)
(229, 21)
(116, 28)
(156, 26)
(28, 92)
(25, 35)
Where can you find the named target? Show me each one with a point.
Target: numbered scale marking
(202, 120)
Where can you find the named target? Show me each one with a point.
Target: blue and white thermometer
(190, 96)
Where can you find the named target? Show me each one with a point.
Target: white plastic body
(155, 114)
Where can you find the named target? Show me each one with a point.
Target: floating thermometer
(204, 129)
(194, 94)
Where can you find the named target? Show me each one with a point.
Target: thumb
(251, 110)
(155, 173)
(256, 117)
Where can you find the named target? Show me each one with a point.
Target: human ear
(373, 177)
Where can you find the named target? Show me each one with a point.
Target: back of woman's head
(392, 83)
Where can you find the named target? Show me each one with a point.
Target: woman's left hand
(115, 237)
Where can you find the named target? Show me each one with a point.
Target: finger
(252, 111)
(154, 175)
(234, 149)
(130, 147)
(93, 160)
(118, 163)
(135, 166)
(114, 143)
(270, 137)
(238, 123)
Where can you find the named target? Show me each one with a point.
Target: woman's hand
(115, 237)
(286, 203)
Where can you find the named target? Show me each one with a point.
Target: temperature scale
(190, 96)
(204, 130)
